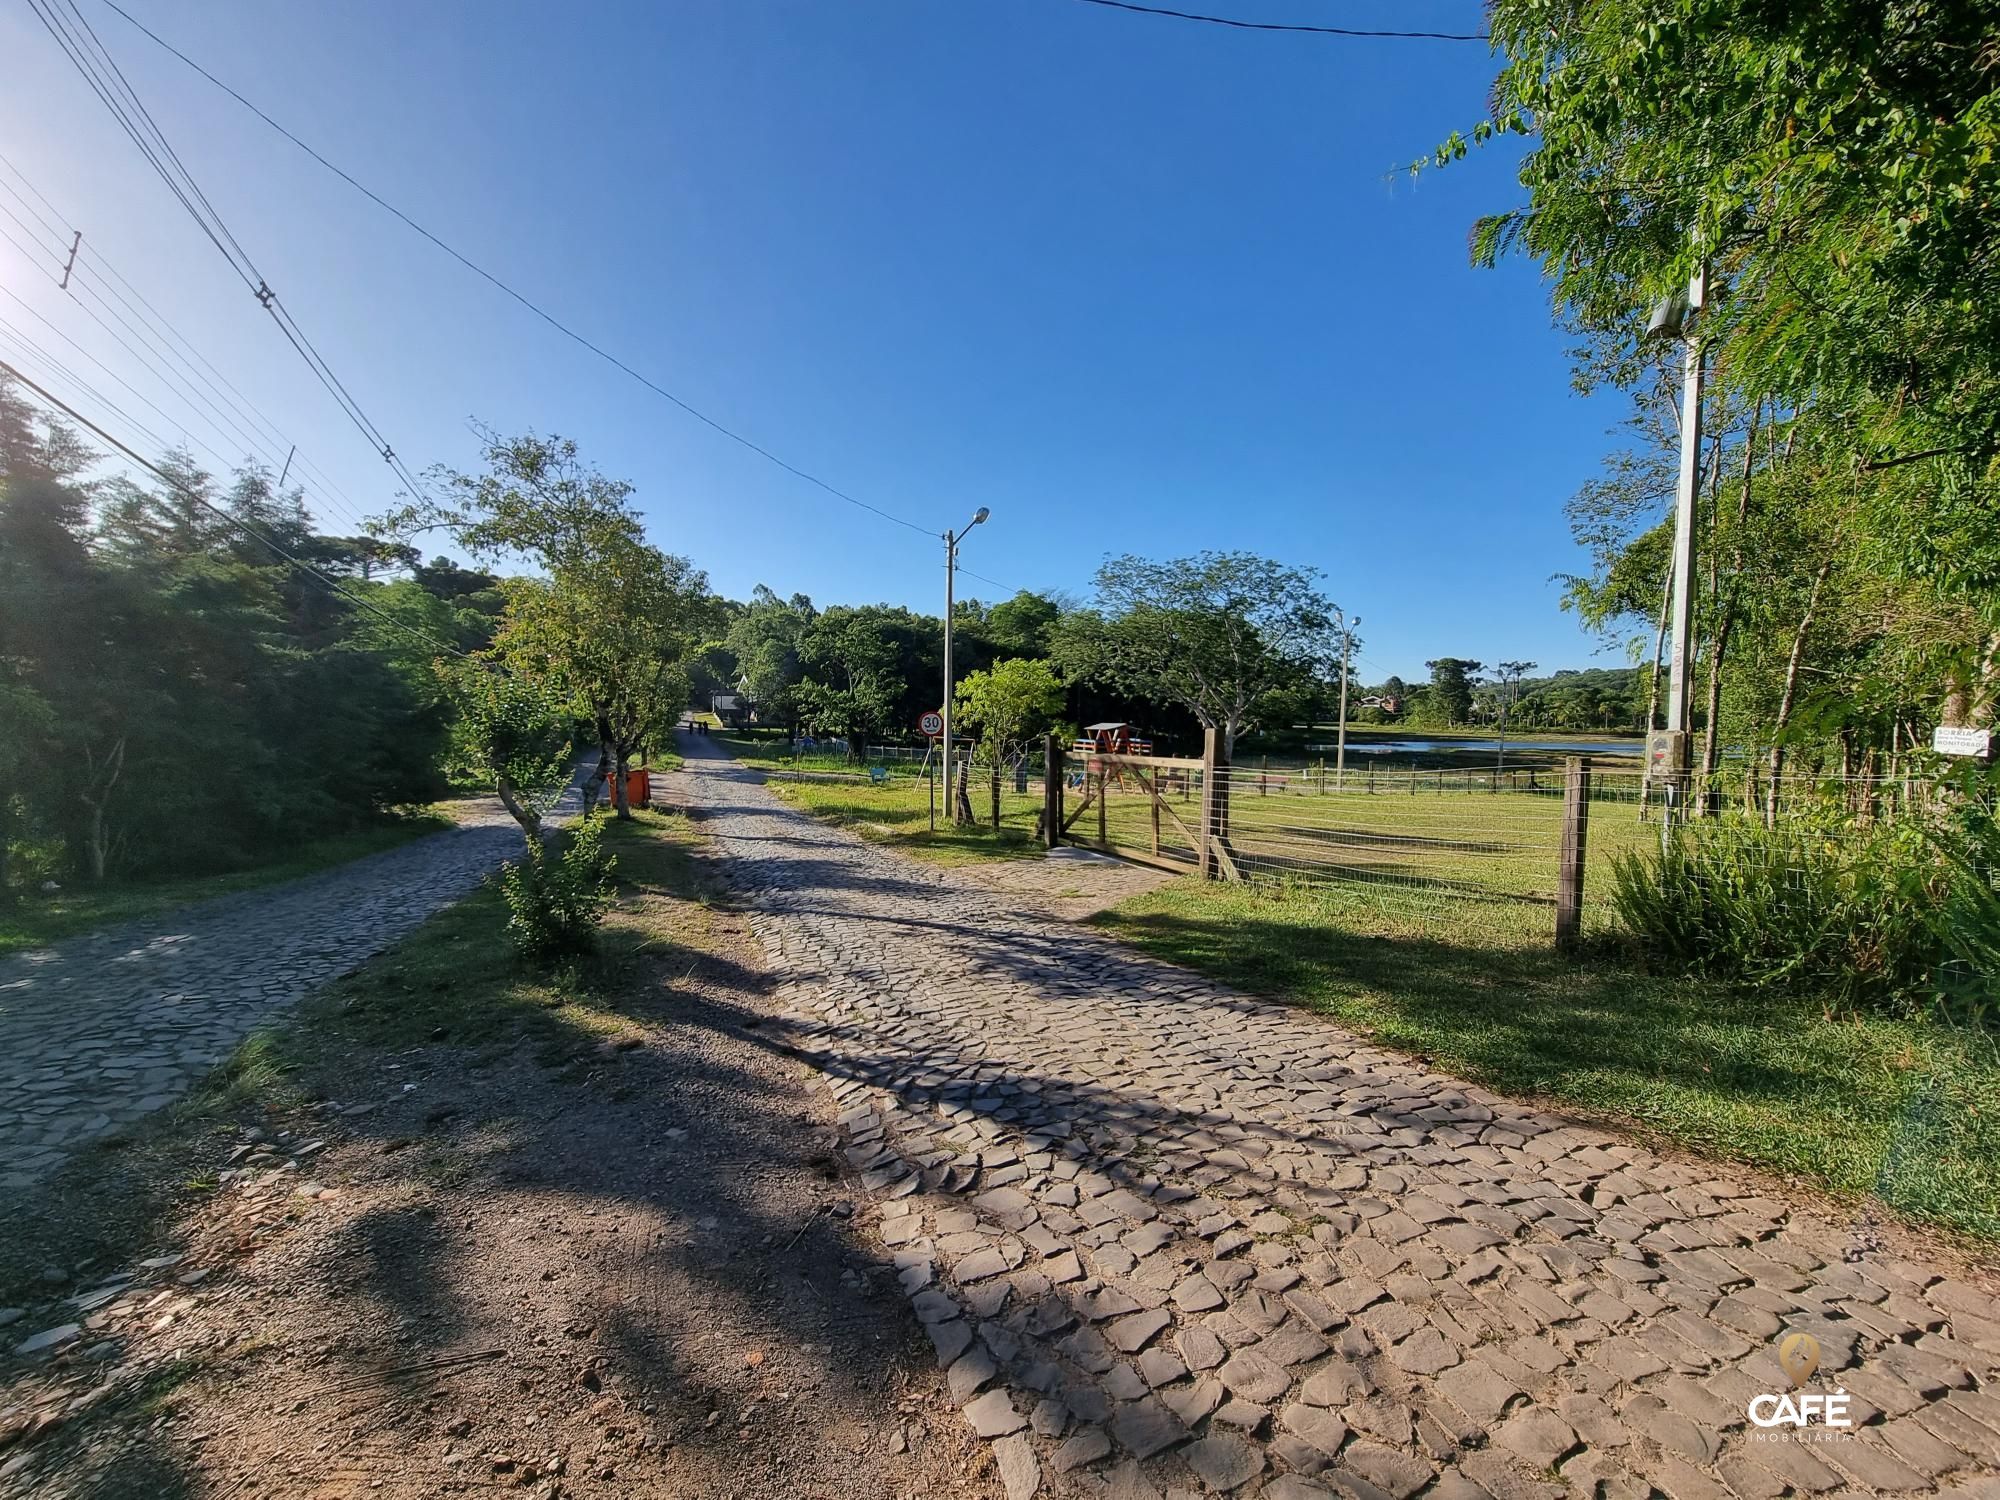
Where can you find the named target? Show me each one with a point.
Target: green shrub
(1858, 915)
(555, 900)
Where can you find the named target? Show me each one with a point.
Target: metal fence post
(1575, 829)
(1052, 791)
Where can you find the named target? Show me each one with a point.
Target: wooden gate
(1143, 807)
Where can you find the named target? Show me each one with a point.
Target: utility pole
(1668, 755)
(951, 541)
(1347, 629)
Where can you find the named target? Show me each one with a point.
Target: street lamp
(951, 541)
(1668, 751)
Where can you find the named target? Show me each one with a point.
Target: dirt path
(631, 1241)
(1166, 1238)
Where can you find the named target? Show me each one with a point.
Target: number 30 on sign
(932, 724)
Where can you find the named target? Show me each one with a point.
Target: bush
(1861, 916)
(555, 901)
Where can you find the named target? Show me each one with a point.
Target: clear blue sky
(1135, 284)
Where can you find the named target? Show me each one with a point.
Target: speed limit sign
(932, 724)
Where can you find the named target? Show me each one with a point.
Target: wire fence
(1526, 839)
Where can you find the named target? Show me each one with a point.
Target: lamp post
(951, 541)
(1347, 629)
(1669, 753)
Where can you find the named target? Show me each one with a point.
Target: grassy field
(36, 919)
(1906, 1112)
(1415, 841)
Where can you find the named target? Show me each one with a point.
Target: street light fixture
(951, 541)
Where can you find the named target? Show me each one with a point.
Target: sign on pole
(932, 724)
(1948, 739)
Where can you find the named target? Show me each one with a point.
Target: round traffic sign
(932, 723)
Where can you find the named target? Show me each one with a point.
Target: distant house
(733, 710)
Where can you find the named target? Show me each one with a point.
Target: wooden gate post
(1214, 804)
(1575, 829)
(1052, 791)
(1103, 796)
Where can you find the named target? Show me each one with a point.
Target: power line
(521, 297)
(153, 144)
(217, 418)
(174, 484)
(1346, 31)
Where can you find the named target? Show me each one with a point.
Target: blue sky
(1135, 284)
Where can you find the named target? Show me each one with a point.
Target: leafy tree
(768, 638)
(1016, 699)
(1451, 688)
(853, 655)
(1023, 626)
(1223, 634)
(613, 619)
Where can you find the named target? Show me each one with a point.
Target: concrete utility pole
(1347, 629)
(951, 541)
(1672, 756)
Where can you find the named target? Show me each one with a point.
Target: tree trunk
(1725, 622)
(619, 796)
(996, 793)
(1790, 695)
(961, 793)
(96, 792)
(596, 783)
(527, 817)
(6, 848)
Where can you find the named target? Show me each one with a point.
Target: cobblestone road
(1169, 1240)
(103, 1029)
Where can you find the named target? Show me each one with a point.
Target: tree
(617, 633)
(1005, 706)
(1451, 688)
(768, 638)
(853, 655)
(1023, 626)
(1222, 634)
(613, 619)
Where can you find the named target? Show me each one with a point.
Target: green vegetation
(1904, 1110)
(37, 918)
(1865, 917)
(450, 975)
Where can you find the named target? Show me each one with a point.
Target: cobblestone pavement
(103, 1029)
(1171, 1241)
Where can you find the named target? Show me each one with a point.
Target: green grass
(1907, 1112)
(35, 919)
(456, 979)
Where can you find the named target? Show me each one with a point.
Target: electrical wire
(522, 298)
(115, 90)
(220, 420)
(167, 479)
(1346, 31)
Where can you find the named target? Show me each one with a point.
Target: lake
(1633, 748)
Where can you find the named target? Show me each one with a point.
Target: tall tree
(1017, 698)
(1451, 687)
(1227, 635)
